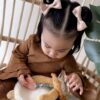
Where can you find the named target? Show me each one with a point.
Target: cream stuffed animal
(52, 94)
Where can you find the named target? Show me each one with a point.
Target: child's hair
(56, 17)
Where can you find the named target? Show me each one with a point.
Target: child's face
(54, 46)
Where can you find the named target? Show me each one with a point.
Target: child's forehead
(56, 41)
(59, 33)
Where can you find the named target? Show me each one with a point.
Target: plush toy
(53, 90)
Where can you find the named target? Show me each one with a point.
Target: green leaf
(93, 31)
(92, 50)
(97, 65)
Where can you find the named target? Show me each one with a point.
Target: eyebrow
(59, 49)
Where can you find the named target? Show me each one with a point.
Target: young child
(61, 27)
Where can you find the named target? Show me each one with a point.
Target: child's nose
(52, 54)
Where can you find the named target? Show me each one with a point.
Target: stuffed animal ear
(56, 82)
(53, 94)
(57, 86)
(10, 95)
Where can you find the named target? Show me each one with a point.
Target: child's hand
(74, 82)
(27, 81)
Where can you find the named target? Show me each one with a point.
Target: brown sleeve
(71, 66)
(89, 89)
(17, 64)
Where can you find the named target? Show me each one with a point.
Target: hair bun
(86, 14)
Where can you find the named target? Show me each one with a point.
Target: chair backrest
(19, 20)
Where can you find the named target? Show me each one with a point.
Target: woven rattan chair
(9, 41)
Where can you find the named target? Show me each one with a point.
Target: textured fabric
(29, 58)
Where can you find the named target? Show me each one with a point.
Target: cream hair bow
(81, 25)
(46, 7)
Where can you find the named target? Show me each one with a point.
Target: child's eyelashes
(47, 46)
(63, 51)
(59, 51)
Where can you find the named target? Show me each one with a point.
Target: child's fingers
(73, 84)
(29, 86)
(31, 83)
(67, 77)
(29, 79)
(22, 80)
(72, 79)
(27, 82)
(81, 90)
(76, 87)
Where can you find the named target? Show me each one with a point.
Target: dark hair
(57, 17)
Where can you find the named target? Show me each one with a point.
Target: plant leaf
(92, 50)
(93, 31)
(97, 65)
